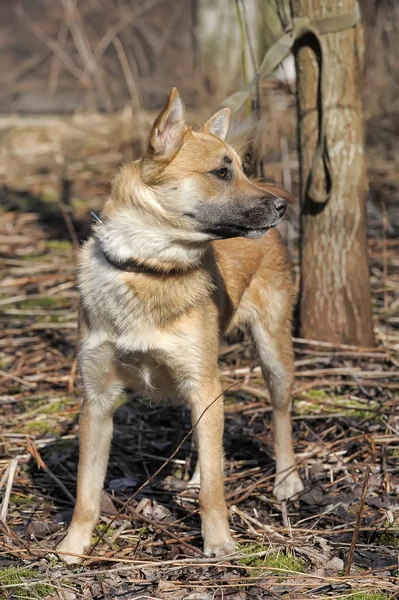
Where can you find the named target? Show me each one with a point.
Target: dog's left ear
(219, 123)
(168, 129)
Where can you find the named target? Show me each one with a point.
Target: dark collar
(134, 266)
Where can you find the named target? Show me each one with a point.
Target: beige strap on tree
(299, 27)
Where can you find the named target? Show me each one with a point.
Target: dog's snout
(280, 205)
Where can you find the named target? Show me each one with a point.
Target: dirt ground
(148, 541)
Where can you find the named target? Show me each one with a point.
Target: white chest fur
(151, 354)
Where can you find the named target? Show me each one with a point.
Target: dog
(185, 250)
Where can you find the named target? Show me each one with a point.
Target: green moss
(54, 319)
(317, 394)
(103, 526)
(391, 540)
(367, 596)
(15, 576)
(53, 560)
(275, 559)
(230, 400)
(178, 472)
(40, 427)
(49, 196)
(79, 204)
(331, 403)
(59, 245)
(390, 537)
(58, 406)
(121, 401)
(100, 528)
(285, 561)
(37, 257)
(22, 500)
(46, 301)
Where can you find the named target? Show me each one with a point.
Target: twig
(24, 68)
(384, 252)
(116, 29)
(87, 57)
(166, 530)
(6, 499)
(72, 376)
(357, 524)
(284, 515)
(253, 59)
(4, 477)
(358, 381)
(127, 72)
(286, 164)
(132, 87)
(17, 379)
(331, 345)
(32, 449)
(243, 53)
(70, 227)
(49, 42)
(55, 68)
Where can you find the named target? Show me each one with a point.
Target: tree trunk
(335, 301)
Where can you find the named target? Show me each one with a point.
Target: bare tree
(335, 302)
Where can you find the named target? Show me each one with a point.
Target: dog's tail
(247, 139)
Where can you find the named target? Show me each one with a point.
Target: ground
(148, 543)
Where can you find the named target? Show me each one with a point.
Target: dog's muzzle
(249, 219)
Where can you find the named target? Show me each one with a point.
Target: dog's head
(198, 178)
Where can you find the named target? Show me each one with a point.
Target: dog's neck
(135, 231)
(151, 267)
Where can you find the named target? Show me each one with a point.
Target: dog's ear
(219, 123)
(168, 129)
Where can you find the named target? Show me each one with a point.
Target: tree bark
(335, 301)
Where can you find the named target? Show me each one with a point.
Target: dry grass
(346, 418)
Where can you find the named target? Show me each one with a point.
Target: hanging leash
(297, 29)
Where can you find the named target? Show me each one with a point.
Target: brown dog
(167, 272)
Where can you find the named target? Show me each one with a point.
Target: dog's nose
(280, 205)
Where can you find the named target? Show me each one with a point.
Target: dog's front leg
(102, 389)
(208, 418)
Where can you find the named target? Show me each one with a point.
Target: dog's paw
(73, 543)
(287, 487)
(220, 549)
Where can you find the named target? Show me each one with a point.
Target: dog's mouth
(230, 231)
(247, 230)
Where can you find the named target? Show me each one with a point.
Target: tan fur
(160, 333)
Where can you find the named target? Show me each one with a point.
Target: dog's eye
(222, 173)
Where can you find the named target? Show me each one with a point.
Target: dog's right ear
(168, 129)
(218, 124)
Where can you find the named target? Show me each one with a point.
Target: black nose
(280, 205)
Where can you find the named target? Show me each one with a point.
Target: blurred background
(81, 81)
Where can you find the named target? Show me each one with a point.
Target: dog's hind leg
(102, 389)
(270, 325)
